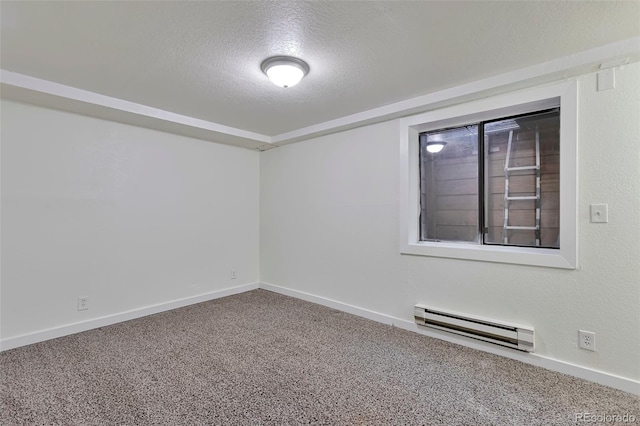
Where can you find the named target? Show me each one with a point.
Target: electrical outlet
(587, 340)
(83, 303)
(234, 274)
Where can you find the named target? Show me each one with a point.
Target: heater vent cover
(506, 334)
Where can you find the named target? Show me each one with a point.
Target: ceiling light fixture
(284, 71)
(435, 147)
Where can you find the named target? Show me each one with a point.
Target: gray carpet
(260, 358)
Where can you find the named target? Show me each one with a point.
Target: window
(453, 203)
(493, 182)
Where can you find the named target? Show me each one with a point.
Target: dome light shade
(435, 147)
(285, 71)
(285, 75)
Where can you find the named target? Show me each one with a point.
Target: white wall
(128, 216)
(329, 227)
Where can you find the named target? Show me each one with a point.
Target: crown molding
(33, 90)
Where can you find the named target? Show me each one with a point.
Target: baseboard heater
(510, 335)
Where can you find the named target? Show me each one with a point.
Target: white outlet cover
(83, 303)
(587, 340)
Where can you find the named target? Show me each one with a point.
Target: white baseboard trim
(65, 330)
(600, 377)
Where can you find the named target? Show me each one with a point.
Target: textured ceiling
(202, 59)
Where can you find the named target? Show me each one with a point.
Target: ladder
(508, 197)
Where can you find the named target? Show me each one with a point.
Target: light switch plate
(599, 213)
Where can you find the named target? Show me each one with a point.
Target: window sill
(551, 258)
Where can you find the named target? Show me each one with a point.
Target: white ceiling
(202, 59)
